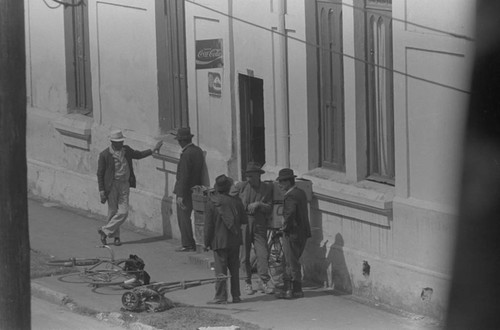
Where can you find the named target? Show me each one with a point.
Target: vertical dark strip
(15, 308)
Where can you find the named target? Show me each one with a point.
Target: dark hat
(223, 183)
(254, 167)
(183, 133)
(116, 136)
(285, 173)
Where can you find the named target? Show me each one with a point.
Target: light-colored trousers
(117, 208)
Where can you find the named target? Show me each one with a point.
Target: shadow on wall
(323, 266)
(338, 274)
(314, 256)
(205, 177)
(167, 203)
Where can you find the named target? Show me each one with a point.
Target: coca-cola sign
(209, 54)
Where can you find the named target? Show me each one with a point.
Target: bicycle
(102, 271)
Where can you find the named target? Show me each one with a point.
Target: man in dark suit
(296, 230)
(224, 216)
(115, 177)
(189, 174)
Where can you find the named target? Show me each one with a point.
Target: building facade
(364, 98)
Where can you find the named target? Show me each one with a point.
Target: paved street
(63, 233)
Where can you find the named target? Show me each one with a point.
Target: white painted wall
(124, 72)
(46, 68)
(211, 118)
(430, 112)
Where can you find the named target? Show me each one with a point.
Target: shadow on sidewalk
(146, 240)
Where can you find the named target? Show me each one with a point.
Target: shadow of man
(339, 277)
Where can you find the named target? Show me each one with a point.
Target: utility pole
(473, 299)
(15, 295)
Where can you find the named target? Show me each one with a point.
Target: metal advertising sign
(214, 84)
(209, 54)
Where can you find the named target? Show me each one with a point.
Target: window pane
(331, 82)
(380, 97)
(78, 59)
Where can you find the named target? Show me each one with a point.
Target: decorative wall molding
(75, 130)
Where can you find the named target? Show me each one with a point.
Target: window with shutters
(78, 80)
(173, 109)
(331, 83)
(379, 86)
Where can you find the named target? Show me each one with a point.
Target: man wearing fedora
(296, 230)
(115, 177)
(224, 216)
(257, 198)
(189, 174)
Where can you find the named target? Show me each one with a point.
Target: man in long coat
(189, 174)
(296, 230)
(223, 218)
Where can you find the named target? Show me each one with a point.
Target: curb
(62, 299)
(50, 295)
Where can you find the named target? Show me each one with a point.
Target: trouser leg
(185, 226)
(247, 235)
(220, 265)
(293, 248)
(118, 205)
(261, 251)
(234, 271)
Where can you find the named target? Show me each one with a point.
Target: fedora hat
(254, 167)
(183, 133)
(223, 183)
(116, 136)
(285, 173)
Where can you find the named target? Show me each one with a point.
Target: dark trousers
(224, 260)
(185, 225)
(256, 234)
(292, 249)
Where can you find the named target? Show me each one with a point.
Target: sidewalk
(64, 232)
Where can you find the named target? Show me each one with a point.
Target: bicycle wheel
(73, 262)
(74, 278)
(103, 277)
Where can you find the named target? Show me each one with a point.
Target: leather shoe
(236, 300)
(117, 241)
(103, 236)
(217, 302)
(185, 249)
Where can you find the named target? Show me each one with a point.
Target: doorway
(251, 121)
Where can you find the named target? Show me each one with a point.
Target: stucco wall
(62, 163)
(124, 73)
(430, 111)
(46, 85)
(209, 114)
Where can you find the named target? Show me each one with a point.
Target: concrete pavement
(64, 232)
(51, 316)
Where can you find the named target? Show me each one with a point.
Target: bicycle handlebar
(110, 250)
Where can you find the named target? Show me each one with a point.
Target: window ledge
(75, 130)
(364, 201)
